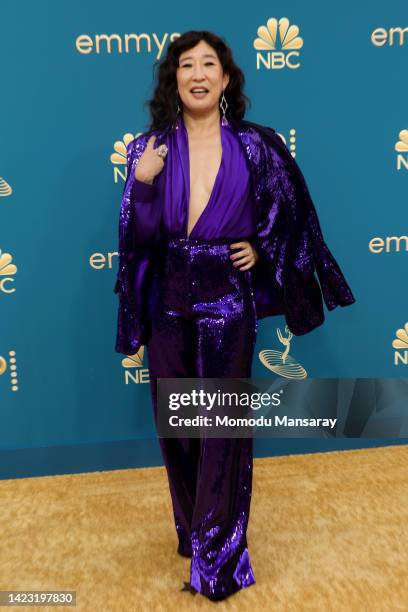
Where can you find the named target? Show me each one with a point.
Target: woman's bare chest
(205, 161)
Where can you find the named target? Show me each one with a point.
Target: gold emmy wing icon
(280, 362)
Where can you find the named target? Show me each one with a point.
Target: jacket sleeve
(308, 253)
(138, 219)
(296, 245)
(137, 199)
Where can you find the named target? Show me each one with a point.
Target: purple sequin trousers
(203, 324)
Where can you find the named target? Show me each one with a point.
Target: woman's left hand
(245, 257)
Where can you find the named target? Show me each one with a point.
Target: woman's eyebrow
(205, 55)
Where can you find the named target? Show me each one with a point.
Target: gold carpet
(327, 531)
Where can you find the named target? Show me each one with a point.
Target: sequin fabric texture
(204, 325)
(287, 235)
(182, 298)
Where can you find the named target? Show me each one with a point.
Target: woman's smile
(198, 94)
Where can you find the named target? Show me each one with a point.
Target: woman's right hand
(149, 164)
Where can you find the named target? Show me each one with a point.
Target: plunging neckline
(187, 180)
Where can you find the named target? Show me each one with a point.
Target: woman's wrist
(255, 245)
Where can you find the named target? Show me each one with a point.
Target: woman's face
(200, 67)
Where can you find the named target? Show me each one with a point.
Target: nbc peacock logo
(278, 45)
(5, 188)
(118, 158)
(7, 272)
(400, 344)
(135, 373)
(280, 362)
(401, 146)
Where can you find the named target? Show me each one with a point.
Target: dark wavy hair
(163, 104)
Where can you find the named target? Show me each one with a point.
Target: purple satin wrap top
(161, 209)
(259, 194)
(229, 212)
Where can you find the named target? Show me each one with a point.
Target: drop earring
(223, 106)
(178, 111)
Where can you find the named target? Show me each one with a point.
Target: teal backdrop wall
(72, 92)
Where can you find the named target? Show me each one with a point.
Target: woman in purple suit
(217, 229)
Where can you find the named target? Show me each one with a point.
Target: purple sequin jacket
(288, 239)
